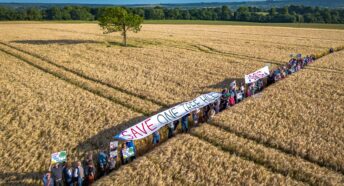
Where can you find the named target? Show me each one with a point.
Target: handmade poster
(257, 75)
(128, 152)
(59, 157)
(154, 123)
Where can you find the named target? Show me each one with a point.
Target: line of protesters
(84, 173)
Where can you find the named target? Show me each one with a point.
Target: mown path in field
(259, 152)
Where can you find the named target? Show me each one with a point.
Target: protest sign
(154, 123)
(59, 157)
(113, 149)
(255, 76)
(128, 152)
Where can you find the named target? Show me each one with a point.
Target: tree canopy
(119, 20)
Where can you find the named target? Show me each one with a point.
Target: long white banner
(154, 123)
(255, 76)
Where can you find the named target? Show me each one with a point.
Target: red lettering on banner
(143, 130)
(149, 125)
(123, 134)
(134, 132)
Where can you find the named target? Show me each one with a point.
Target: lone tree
(119, 20)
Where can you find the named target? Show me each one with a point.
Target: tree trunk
(125, 38)
(124, 35)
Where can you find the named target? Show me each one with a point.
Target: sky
(117, 1)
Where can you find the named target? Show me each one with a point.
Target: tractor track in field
(270, 158)
(268, 144)
(248, 157)
(85, 84)
(82, 75)
(210, 50)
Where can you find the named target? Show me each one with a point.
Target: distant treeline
(288, 14)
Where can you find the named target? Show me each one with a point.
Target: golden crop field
(69, 87)
(170, 63)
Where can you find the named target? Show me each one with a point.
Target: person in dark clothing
(124, 158)
(102, 160)
(271, 78)
(56, 173)
(224, 100)
(185, 124)
(156, 138)
(111, 164)
(90, 173)
(68, 174)
(170, 130)
(78, 174)
(331, 50)
(175, 123)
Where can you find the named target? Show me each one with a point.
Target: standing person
(170, 130)
(85, 162)
(211, 112)
(271, 78)
(68, 174)
(175, 124)
(48, 180)
(260, 84)
(111, 164)
(78, 175)
(205, 115)
(156, 137)
(102, 160)
(248, 91)
(185, 124)
(232, 98)
(90, 173)
(195, 117)
(224, 99)
(217, 106)
(130, 144)
(56, 173)
(124, 157)
(242, 89)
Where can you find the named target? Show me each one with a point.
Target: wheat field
(69, 87)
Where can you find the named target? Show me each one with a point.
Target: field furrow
(275, 160)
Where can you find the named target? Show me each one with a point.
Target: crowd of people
(84, 173)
